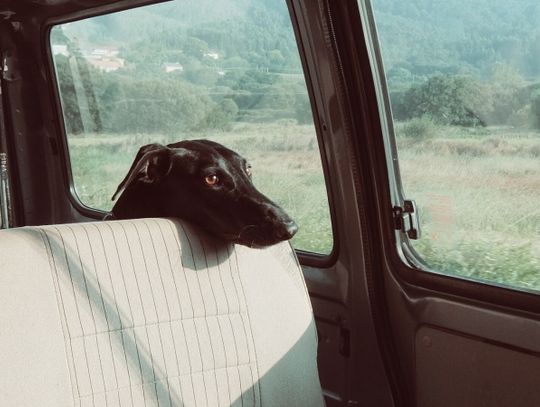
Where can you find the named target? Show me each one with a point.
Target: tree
(447, 99)
(68, 94)
(535, 109)
(505, 94)
(275, 59)
(195, 47)
(156, 105)
(221, 116)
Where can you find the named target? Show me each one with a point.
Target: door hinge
(406, 219)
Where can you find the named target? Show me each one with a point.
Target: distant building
(105, 58)
(60, 49)
(106, 51)
(172, 67)
(213, 55)
(106, 64)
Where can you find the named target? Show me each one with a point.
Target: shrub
(221, 116)
(419, 129)
(535, 109)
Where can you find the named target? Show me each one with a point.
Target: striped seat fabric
(151, 312)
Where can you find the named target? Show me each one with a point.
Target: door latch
(406, 219)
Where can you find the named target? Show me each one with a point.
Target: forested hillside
(461, 62)
(459, 36)
(233, 60)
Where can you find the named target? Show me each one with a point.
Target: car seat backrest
(151, 312)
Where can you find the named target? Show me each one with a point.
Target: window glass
(464, 84)
(221, 70)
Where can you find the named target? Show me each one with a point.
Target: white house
(172, 67)
(60, 49)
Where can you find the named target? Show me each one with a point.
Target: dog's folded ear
(152, 163)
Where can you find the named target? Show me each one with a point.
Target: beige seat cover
(151, 312)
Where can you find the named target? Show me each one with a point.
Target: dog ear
(152, 162)
(158, 164)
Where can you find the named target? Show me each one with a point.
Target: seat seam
(157, 323)
(162, 379)
(63, 321)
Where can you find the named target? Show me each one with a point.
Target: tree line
(505, 98)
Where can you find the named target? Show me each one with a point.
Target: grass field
(479, 193)
(478, 190)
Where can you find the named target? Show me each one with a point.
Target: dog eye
(211, 180)
(248, 169)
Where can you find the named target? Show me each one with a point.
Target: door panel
(457, 370)
(476, 343)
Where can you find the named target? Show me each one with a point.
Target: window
(228, 72)
(464, 85)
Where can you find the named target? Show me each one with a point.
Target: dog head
(207, 184)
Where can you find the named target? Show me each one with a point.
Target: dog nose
(286, 230)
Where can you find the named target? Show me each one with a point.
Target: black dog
(207, 184)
